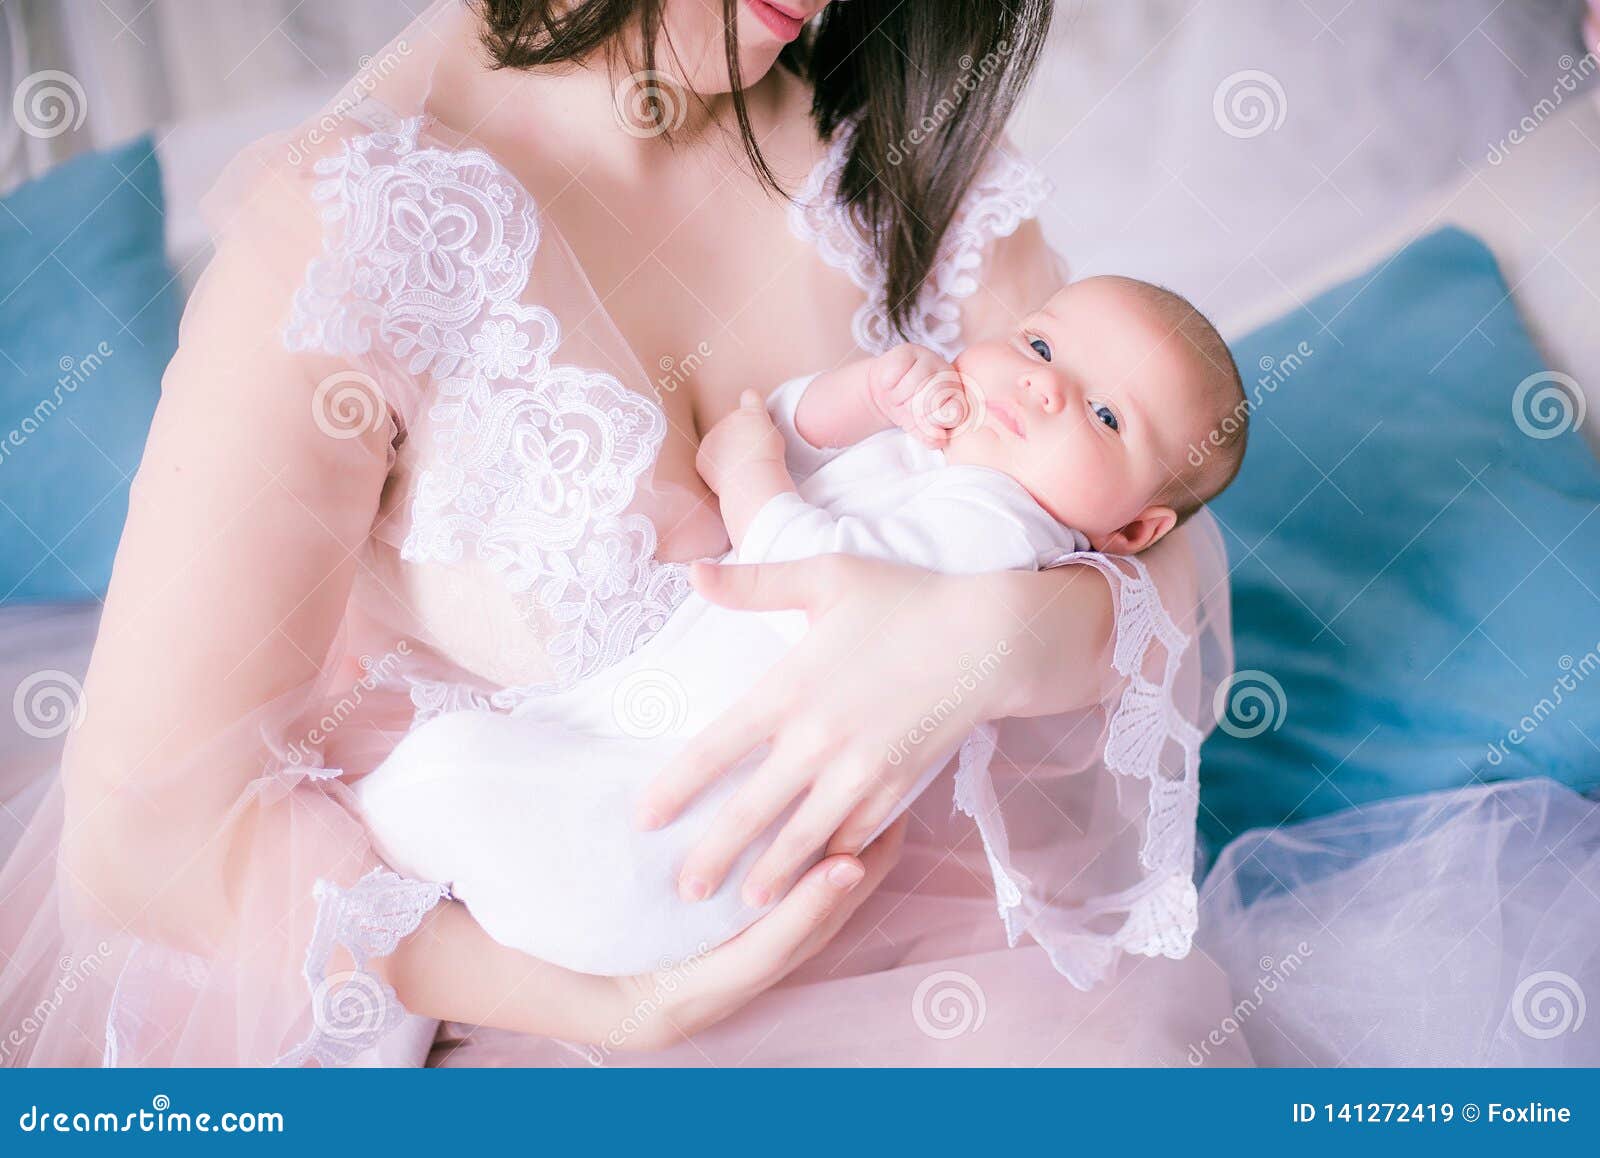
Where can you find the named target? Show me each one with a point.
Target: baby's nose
(1044, 389)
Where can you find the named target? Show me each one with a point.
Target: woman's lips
(780, 22)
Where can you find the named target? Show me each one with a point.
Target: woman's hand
(678, 1002)
(898, 667)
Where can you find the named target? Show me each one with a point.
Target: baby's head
(1116, 405)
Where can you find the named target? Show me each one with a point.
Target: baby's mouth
(1007, 418)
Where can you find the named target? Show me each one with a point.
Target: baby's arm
(909, 386)
(949, 527)
(741, 459)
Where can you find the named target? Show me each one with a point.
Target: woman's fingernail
(756, 896)
(846, 876)
(692, 889)
(646, 819)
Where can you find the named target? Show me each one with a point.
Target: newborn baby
(1109, 416)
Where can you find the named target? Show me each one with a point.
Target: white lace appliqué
(353, 1010)
(428, 252)
(1007, 192)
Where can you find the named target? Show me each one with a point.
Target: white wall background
(1381, 101)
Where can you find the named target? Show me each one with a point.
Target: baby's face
(1084, 404)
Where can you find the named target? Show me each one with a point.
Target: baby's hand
(915, 389)
(744, 438)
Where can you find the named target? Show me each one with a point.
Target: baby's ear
(1144, 531)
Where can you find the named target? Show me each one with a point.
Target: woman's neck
(590, 115)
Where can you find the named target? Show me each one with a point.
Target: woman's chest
(710, 287)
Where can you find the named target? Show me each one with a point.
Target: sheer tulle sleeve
(210, 866)
(1088, 819)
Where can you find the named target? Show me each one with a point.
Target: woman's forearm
(1057, 625)
(451, 970)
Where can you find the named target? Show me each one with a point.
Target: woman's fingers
(810, 913)
(745, 816)
(717, 747)
(763, 586)
(857, 828)
(806, 832)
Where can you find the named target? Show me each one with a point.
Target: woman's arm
(248, 525)
(887, 648)
(876, 689)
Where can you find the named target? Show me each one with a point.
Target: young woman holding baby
(414, 454)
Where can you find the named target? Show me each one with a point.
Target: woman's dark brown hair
(929, 82)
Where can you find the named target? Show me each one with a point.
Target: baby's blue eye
(1040, 347)
(1104, 414)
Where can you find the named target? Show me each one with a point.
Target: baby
(1110, 415)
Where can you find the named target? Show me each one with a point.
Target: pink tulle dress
(478, 520)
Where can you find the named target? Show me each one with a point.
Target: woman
(408, 458)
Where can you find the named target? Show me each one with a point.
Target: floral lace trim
(427, 253)
(353, 1010)
(1159, 911)
(1007, 192)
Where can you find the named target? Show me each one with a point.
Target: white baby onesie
(528, 817)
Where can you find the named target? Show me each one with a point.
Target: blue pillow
(88, 322)
(1416, 561)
